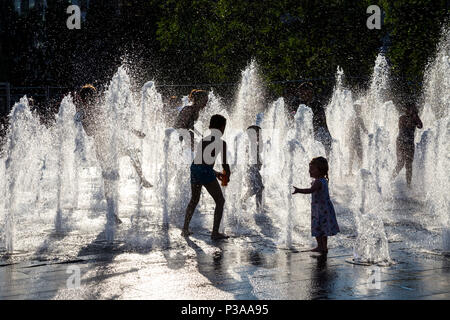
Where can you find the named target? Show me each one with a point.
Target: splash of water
(372, 186)
(432, 158)
(56, 156)
(22, 142)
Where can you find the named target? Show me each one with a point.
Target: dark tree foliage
(204, 41)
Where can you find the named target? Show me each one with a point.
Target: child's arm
(363, 126)
(138, 133)
(225, 164)
(315, 187)
(419, 123)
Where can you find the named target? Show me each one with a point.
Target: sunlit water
(52, 181)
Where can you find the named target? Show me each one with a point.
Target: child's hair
(196, 94)
(322, 165)
(217, 121)
(254, 127)
(88, 92)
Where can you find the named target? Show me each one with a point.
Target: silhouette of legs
(408, 167)
(405, 157)
(196, 190)
(216, 192)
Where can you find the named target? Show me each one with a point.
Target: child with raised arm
(203, 174)
(323, 217)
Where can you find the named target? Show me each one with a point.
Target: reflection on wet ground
(237, 268)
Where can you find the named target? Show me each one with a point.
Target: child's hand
(295, 190)
(219, 175)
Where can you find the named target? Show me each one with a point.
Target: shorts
(202, 174)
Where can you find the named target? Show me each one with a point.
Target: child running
(203, 174)
(323, 217)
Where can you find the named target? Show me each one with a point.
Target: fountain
(432, 158)
(48, 171)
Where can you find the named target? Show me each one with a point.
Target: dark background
(192, 42)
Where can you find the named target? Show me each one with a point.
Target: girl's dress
(323, 217)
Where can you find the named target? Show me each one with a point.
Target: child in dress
(323, 217)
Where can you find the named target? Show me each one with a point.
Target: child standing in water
(94, 122)
(203, 174)
(407, 125)
(323, 217)
(254, 179)
(356, 128)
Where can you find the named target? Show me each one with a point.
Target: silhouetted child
(356, 127)
(189, 114)
(203, 174)
(93, 121)
(323, 217)
(407, 125)
(307, 96)
(254, 179)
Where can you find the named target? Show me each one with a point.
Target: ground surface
(237, 268)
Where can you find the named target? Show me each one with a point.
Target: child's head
(318, 168)
(411, 109)
(87, 94)
(218, 122)
(256, 130)
(199, 97)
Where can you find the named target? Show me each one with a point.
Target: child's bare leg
(408, 167)
(400, 164)
(138, 168)
(259, 201)
(319, 245)
(359, 154)
(216, 192)
(350, 162)
(324, 244)
(195, 198)
(400, 161)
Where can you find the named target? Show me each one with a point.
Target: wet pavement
(237, 268)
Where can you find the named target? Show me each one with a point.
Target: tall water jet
(250, 97)
(249, 102)
(274, 133)
(371, 245)
(116, 136)
(151, 123)
(377, 147)
(340, 114)
(65, 133)
(432, 158)
(381, 119)
(20, 147)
